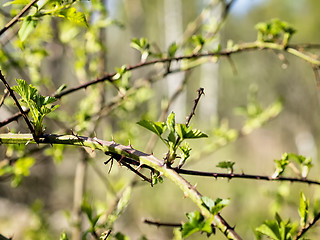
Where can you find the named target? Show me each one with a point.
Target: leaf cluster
(37, 103)
(304, 163)
(275, 31)
(57, 8)
(177, 133)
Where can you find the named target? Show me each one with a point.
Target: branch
(17, 103)
(144, 159)
(192, 113)
(16, 18)
(244, 176)
(161, 224)
(306, 228)
(257, 45)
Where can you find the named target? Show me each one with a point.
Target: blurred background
(58, 52)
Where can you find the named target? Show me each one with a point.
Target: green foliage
(275, 31)
(40, 228)
(143, 46)
(172, 49)
(303, 209)
(177, 134)
(214, 206)
(63, 236)
(57, 8)
(36, 103)
(278, 229)
(196, 223)
(256, 115)
(27, 27)
(281, 164)
(226, 165)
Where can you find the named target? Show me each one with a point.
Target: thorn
(113, 140)
(185, 195)
(97, 140)
(139, 167)
(130, 145)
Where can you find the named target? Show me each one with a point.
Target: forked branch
(148, 160)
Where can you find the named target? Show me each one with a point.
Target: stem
(225, 53)
(244, 176)
(110, 147)
(17, 103)
(16, 18)
(79, 188)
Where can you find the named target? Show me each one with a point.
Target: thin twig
(192, 113)
(306, 228)
(161, 224)
(246, 47)
(16, 18)
(6, 92)
(244, 176)
(17, 103)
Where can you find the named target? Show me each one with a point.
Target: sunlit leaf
(196, 223)
(303, 209)
(214, 206)
(27, 27)
(155, 127)
(187, 132)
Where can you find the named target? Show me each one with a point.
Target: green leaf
(28, 25)
(172, 49)
(187, 132)
(22, 2)
(63, 236)
(185, 153)
(214, 206)
(270, 229)
(303, 209)
(277, 229)
(171, 122)
(281, 165)
(227, 165)
(120, 236)
(74, 16)
(196, 222)
(155, 127)
(60, 89)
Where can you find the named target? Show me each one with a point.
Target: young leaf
(185, 154)
(214, 206)
(74, 16)
(195, 224)
(186, 132)
(22, 2)
(171, 126)
(281, 165)
(227, 165)
(28, 25)
(303, 209)
(63, 236)
(155, 127)
(172, 49)
(277, 229)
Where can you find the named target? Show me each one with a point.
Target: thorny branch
(134, 156)
(161, 224)
(291, 49)
(244, 176)
(192, 113)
